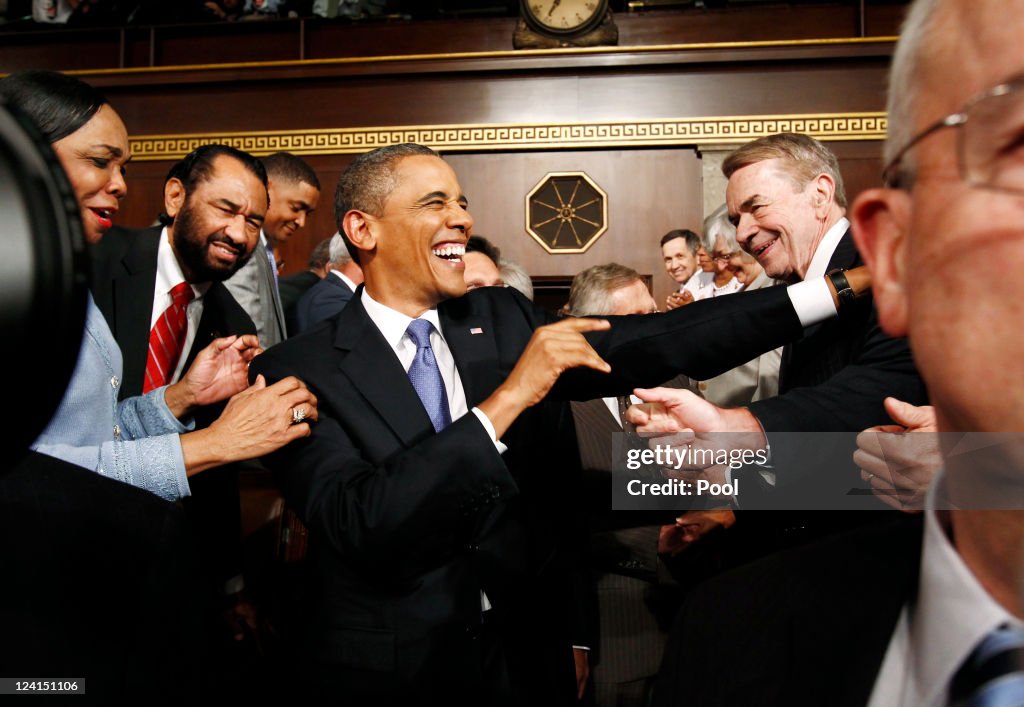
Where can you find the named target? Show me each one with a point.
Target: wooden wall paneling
(236, 103)
(67, 50)
(650, 192)
(227, 42)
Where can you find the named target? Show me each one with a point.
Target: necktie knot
(419, 331)
(182, 294)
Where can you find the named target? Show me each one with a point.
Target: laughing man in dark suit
(439, 562)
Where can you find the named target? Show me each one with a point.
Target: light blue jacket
(134, 441)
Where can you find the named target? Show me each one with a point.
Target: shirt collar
(344, 278)
(952, 612)
(827, 247)
(391, 322)
(168, 270)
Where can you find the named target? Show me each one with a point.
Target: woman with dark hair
(145, 440)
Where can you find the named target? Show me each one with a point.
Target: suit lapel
(268, 289)
(470, 337)
(375, 372)
(133, 291)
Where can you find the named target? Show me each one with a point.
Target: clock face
(564, 16)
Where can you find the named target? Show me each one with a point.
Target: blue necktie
(426, 376)
(993, 675)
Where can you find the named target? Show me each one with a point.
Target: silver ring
(298, 415)
(870, 476)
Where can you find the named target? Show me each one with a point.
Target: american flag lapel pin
(476, 330)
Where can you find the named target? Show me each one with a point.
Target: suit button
(117, 432)
(472, 547)
(114, 382)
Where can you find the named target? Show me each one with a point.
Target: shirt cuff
(486, 422)
(812, 301)
(157, 396)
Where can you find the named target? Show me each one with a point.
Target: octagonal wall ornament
(566, 212)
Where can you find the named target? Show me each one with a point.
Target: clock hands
(555, 4)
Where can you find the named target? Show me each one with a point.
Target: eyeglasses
(990, 141)
(724, 258)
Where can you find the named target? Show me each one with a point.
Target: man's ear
(358, 227)
(174, 196)
(881, 225)
(824, 194)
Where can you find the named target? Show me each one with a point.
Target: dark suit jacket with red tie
(407, 526)
(124, 280)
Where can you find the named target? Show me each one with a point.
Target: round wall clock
(564, 17)
(566, 212)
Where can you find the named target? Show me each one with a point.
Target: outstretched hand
(552, 350)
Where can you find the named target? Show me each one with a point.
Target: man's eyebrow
(745, 206)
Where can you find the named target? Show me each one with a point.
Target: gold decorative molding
(526, 136)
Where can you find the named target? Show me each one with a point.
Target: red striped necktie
(167, 339)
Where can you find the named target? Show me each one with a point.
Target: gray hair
(514, 276)
(803, 156)
(912, 51)
(716, 226)
(591, 288)
(338, 251)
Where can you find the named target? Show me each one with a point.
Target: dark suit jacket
(291, 288)
(324, 299)
(124, 278)
(408, 525)
(96, 584)
(803, 627)
(833, 380)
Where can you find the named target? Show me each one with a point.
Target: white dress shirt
(826, 249)
(169, 276)
(939, 627)
(392, 325)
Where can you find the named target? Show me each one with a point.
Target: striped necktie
(993, 674)
(167, 339)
